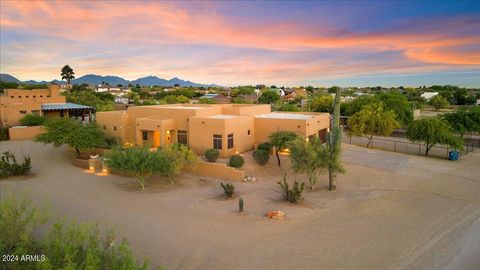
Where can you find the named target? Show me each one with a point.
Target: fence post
(419, 146)
(395, 147)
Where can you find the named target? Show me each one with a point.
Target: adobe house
(16, 103)
(230, 128)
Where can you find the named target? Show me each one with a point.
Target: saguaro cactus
(334, 141)
(240, 205)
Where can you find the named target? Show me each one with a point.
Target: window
(11, 96)
(145, 135)
(104, 127)
(248, 132)
(230, 141)
(34, 96)
(23, 112)
(19, 96)
(114, 128)
(26, 96)
(182, 137)
(217, 141)
(41, 96)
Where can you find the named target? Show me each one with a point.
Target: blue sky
(323, 43)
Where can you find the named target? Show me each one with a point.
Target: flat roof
(285, 116)
(183, 107)
(223, 116)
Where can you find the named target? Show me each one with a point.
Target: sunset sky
(231, 43)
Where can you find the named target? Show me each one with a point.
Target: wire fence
(407, 147)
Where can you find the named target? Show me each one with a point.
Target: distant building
(121, 100)
(106, 88)
(429, 95)
(478, 102)
(291, 94)
(16, 103)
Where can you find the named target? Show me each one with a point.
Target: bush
(10, 167)
(267, 146)
(32, 120)
(4, 134)
(64, 246)
(261, 156)
(109, 143)
(229, 189)
(212, 154)
(236, 161)
(294, 194)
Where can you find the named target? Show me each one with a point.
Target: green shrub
(236, 161)
(267, 146)
(32, 120)
(229, 189)
(261, 156)
(4, 134)
(63, 246)
(10, 167)
(212, 154)
(109, 143)
(295, 193)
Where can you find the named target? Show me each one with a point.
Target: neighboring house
(478, 102)
(107, 88)
(429, 95)
(218, 98)
(121, 100)
(230, 128)
(291, 94)
(16, 103)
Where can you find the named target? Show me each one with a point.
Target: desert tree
(139, 162)
(439, 102)
(372, 120)
(433, 131)
(465, 120)
(280, 141)
(62, 131)
(310, 158)
(173, 158)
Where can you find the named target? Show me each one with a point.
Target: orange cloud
(123, 25)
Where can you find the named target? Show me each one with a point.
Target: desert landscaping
(390, 211)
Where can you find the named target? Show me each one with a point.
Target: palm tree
(68, 75)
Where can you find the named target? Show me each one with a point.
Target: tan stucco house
(16, 103)
(230, 128)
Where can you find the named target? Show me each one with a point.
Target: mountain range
(93, 79)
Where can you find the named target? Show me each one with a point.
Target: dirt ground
(391, 211)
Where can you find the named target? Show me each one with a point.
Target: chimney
(54, 89)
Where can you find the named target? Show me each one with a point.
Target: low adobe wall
(24, 132)
(216, 170)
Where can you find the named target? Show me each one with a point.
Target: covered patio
(73, 110)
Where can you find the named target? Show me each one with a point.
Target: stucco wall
(216, 170)
(201, 123)
(24, 133)
(15, 103)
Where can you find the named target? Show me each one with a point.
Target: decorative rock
(254, 179)
(276, 215)
(94, 156)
